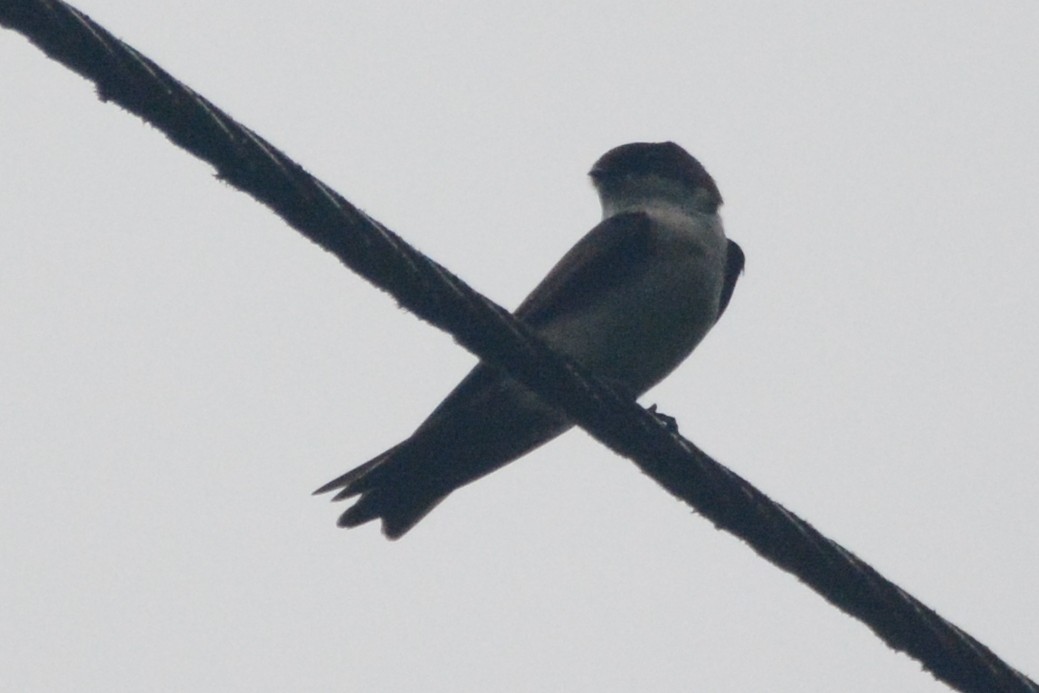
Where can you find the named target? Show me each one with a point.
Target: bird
(629, 302)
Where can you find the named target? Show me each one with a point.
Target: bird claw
(668, 422)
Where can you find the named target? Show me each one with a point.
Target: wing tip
(330, 486)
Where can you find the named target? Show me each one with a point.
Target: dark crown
(664, 159)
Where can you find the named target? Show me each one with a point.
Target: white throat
(643, 193)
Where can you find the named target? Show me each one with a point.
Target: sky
(180, 369)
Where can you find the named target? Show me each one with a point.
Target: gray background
(179, 369)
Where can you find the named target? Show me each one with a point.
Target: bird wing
(734, 260)
(607, 255)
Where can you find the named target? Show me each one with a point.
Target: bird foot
(668, 422)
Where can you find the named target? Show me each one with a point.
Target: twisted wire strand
(248, 162)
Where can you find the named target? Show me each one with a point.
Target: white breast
(642, 328)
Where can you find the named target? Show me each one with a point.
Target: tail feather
(397, 497)
(399, 512)
(459, 443)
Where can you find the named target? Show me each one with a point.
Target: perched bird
(629, 302)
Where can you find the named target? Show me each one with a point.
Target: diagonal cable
(248, 162)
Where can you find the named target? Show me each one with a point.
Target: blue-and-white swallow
(629, 302)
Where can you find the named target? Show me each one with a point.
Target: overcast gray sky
(179, 369)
